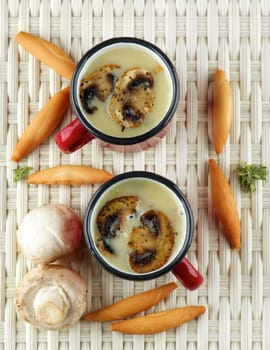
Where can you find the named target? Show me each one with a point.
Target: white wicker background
(199, 37)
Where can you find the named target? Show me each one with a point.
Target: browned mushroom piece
(151, 244)
(133, 97)
(111, 219)
(51, 297)
(104, 247)
(99, 84)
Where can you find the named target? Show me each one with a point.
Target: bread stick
(222, 110)
(158, 322)
(42, 125)
(69, 175)
(48, 53)
(131, 305)
(224, 205)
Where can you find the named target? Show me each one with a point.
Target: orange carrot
(42, 125)
(69, 175)
(158, 322)
(222, 110)
(131, 305)
(224, 205)
(47, 53)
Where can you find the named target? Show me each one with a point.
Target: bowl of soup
(124, 93)
(139, 226)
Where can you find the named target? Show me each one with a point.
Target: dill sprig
(21, 173)
(249, 174)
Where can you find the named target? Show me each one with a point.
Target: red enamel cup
(140, 184)
(83, 129)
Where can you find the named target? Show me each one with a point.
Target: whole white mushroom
(49, 233)
(51, 297)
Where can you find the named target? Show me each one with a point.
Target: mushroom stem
(51, 297)
(51, 305)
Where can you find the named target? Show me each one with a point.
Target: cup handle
(187, 274)
(73, 136)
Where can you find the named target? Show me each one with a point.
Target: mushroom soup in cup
(124, 93)
(139, 226)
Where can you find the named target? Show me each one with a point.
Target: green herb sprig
(249, 174)
(21, 173)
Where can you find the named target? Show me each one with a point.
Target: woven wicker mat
(198, 37)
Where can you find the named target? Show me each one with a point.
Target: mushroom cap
(51, 297)
(49, 232)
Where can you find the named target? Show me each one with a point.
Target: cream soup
(151, 196)
(127, 57)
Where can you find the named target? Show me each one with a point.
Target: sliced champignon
(111, 219)
(103, 246)
(99, 84)
(142, 239)
(51, 297)
(144, 258)
(49, 232)
(113, 214)
(152, 243)
(133, 97)
(151, 220)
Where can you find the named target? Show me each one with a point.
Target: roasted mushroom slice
(111, 219)
(142, 239)
(99, 84)
(133, 97)
(144, 258)
(103, 246)
(152, 243)
(51, 297)
(111, 216)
